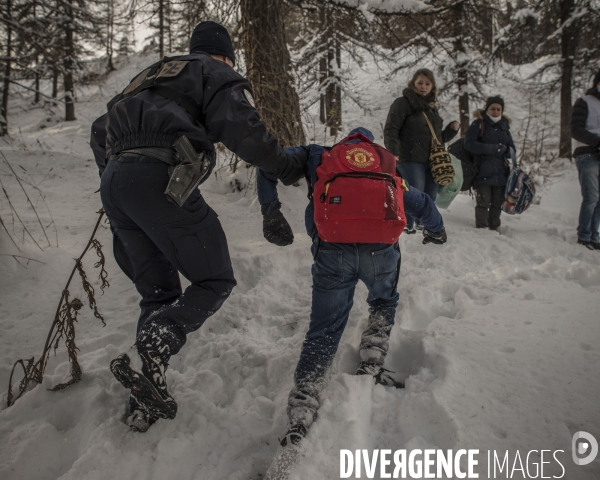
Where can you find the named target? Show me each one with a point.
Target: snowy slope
(497, 335)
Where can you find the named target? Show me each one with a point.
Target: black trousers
(155, 240)
(489, 200)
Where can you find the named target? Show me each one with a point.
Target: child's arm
(420, 206)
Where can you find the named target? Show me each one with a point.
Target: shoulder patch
(249, 97)
(137, 81)
(172, 69)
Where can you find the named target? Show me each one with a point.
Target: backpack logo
(360, 158)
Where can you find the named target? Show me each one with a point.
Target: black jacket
(406, 133)
(579, 116)
(150, 120)
(491, 150)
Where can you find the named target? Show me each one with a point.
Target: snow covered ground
(497, 336)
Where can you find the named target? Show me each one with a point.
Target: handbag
(439, 159)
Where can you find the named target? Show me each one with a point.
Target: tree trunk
(110, 35)
(329, 79)
(268, 69)
(6, 86)
(568, 42)
(69, 67)
(161, 28)
(55, 75)
(462, 81)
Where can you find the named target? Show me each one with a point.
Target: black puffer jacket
(406, 133)
(491, 150)
(579, 116)
(224, 96)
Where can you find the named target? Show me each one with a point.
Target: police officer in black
(153, 147)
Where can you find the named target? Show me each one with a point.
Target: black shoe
(149, 387)
(409, 231)
(596, 245)
(380, 374)
(587, 244)
(138, 419)
(294, 435)
(418, 226)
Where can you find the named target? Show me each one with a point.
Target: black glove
(294, 168)
(438, 238)
(276, 229)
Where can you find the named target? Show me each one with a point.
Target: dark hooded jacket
(490, 150)
(406, 132)
(579, 132)
(150, 120)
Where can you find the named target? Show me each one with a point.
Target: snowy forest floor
(497, 335)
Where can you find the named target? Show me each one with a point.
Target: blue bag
(520, 189)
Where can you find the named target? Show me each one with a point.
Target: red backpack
(358, 196)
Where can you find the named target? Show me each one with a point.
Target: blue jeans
(336, 270)
(588, 166)
(419, 176)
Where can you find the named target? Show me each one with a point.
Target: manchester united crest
(360, 158)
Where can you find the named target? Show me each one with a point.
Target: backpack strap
(166, 68)
(433, 135)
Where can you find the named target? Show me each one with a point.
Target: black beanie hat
(596, 79)
(497, 99)
(212, 38)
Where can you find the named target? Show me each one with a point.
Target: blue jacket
(491, 150)
(416, 203)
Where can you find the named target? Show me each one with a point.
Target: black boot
(147, 384)
(380, 375)
(138, 419)
(587, 244)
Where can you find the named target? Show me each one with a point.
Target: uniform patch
(360, 158)
(136, 82)
(249, 97)
(172, 69)
(335, 200)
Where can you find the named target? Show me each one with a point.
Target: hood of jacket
(594, 92)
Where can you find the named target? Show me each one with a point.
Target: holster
(188, 173)
(188, 168)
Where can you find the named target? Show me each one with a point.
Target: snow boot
(147, 384)
(587, 244)
(294, 435)
(380, 374)
(137, 419)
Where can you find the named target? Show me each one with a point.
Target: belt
(165, 155)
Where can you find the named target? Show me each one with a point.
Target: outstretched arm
(420, 206)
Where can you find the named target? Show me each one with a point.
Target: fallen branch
(16, 257)
(63, 326)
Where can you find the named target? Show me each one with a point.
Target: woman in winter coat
(490, 143)
(408, 136)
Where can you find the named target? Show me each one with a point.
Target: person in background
(585, 130)
(408, 137)
(491, 144)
